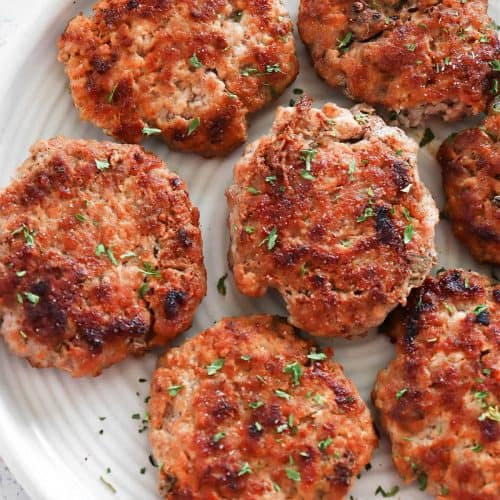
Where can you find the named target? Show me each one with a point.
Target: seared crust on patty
(470, 164)
(329, 210)
(418, 58)
(248, 410)
(193, 69)
(439, 399)
(100, 255)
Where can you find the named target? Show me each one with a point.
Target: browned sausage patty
(329, 210)
(100, 255)
(417, 58)
(248, 410)
(439, 399)
(470, 164)
(190, 70)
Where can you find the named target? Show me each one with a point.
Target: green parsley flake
(215, 366)
(481, 308)
(427, 137)
(352, 169)
(411, 47)
(308, 155)
(246, 358)
(317, 356)
(28, 235)
(422, 481)
(143, 290)
(111, 95)
(249, 229)
(495, 64)
(255, 404)
(271, 179)
(173, 390)
(32, 297)
(271, 239)
(195, 62)
(128, 255)
(100, 250)
(307, 175)
(221, 284)
(282, 394)
(346, 41)
(102, 165)
(276, 487)
(492, 413)
(295, 369)
(20, 274)
(193, 125)
(245, 469)
(23, 335)
(217, 437)
(323, 445)
(408, 234)
(293, 475)
(494, 86)
(249, 71)
(401, 393)
(252, 190)
(367, 213)
(80, 217)
(150, 270)
(386, 494)
(477, 448)
(273, 68)
(108, 484)
(151, 130)
(281, 428)
(111, 256)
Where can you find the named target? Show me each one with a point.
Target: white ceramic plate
(49, 423)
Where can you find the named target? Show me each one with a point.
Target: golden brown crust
(418, 58)
(131, 66)
(70, 296)
(470, 164)
(277, 437)
(331, 240)
(439, 399)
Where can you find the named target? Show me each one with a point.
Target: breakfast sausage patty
(417, 58)
(439, 398)
(100, 255)
(189, 70)
(470, 164)
(329, 210)
(248, 410)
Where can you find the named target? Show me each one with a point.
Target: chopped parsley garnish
(102, 164)
(32, 297)
(317, 356)
(255, 404)
(271, 179)
(128, 255)
(276, 487)
(215, 366)
(20, 274)
(252, 190)
(80, 217)
(346, 41)
(151, 131)
(295, 369)
(245, 469)
(408, 234)
(492, 413)
(111, 95)
(28, 235)
(323, 445)
(308, 155)
(480, 309)
(422, 481)
(258, 426)
(495, 64)
(108, 484)
(352, 169)
(217, 437)
(150, 270)
(273, 68)
(411, 47)
(407, 214)
(427, 137)
(319, 399)
(249, 229)
(195, 62)
(386, 494)
(293, 475)
(193, 125)
(361, 118)
(401, 393)
(483, 39)
(271, 239)
(246, 358)
(307, 175)
(221, 284)
(100, 250)
(477, 448)
(143, 290)
(173, 390)
(282, 394)
(367, 213)
(249, 71)
(281, 428)
(494, 86)
(111, 256)
(23, 335)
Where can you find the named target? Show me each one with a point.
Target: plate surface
(50, 432)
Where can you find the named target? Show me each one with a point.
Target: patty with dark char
(439, 398)
(249, 410)
(100, 255)
(329, 210)
(417, 58)
(190, 70)
(470, 162)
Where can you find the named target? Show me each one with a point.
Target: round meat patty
(417, 58)
(249, 410)
(100, 255)
(439, 398)
(470, 164)
(190, 70)
(329, 210)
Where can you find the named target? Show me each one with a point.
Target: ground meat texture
(329, 210)
(189, 70)
(470, 164)
(248, 410)
(439, 398)
(416, 58)
(92, 265)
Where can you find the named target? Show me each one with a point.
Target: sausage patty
(248, 410)
(470, 164)
(439, 398)
(100, 255)
(329, 210)
(417, 58)
(189, 70)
